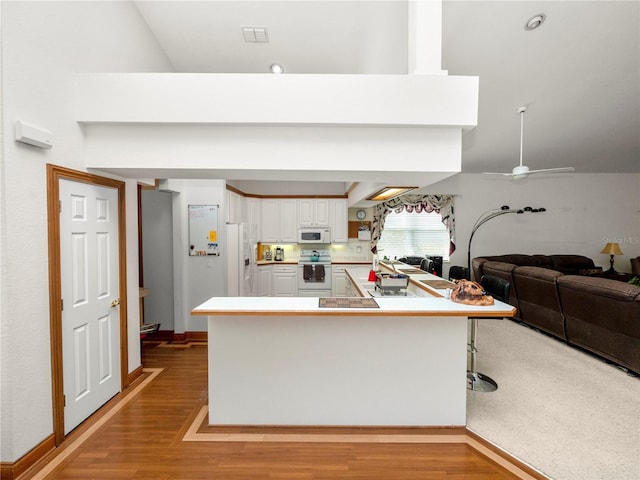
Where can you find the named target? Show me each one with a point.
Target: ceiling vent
(255, 34)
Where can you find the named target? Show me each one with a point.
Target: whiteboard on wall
(203, 230)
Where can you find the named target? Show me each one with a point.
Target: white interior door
(91, 312)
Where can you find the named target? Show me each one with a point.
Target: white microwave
(314, 235)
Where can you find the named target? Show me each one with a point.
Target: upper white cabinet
(313, 212)
(279, 220)
(288, 220)
(254, 215)
(236, 207)
(270, 221)
(339, 220)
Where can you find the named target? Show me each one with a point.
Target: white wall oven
(314, 273)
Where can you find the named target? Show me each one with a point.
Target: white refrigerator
(242, 255)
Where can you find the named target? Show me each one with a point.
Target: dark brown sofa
(566, 264)
(538, 299)
(594, 313)
(602, 316)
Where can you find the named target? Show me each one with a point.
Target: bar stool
(498, 288)
(456, 272)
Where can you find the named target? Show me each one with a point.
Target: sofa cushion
(518, 259)
(538, 299)
(504, 270)
(603, 316)
(570, 264)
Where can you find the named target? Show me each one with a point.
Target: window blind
(414, 234)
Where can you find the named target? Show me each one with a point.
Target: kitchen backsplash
(352, 251)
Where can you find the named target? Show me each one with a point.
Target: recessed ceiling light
(535, 21)
(276, 68)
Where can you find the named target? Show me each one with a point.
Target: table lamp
(612, 249)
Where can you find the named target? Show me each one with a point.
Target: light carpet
(564, 412)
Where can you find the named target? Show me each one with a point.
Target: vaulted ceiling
(579, 73)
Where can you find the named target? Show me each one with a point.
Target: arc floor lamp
(491, 214)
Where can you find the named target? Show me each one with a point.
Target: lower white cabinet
(349, 290)
(284, 281)
(264, 280)
(340, 283)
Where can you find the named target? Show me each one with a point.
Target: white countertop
(359, 276)
(433, 303)
(305, 306)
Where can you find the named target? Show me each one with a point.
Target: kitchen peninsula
(349, 361)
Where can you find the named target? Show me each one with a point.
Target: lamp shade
(612, 249)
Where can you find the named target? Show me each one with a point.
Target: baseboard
(197, 336)
(188, 337)
(493, 450)
(133, 376)
(172, 337)
(163, 335)
(11, 471)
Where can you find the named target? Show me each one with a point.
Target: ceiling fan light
(520, 172)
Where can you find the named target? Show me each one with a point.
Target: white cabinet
(279, 222)
(339, 220)
(270, 222)
(280, 218)
(313, 212)
(254, 215)
(288, 220)
(349, 290)
(284, 281)
(340, 283)
(264, 280)
(234, 207)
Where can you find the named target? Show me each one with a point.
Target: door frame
(56, 173)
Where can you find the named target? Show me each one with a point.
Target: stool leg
(477, 381)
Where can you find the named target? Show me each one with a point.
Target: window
(414, 234)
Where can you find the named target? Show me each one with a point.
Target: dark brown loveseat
(597, 314)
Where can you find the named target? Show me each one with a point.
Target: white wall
(584, 212)
(196, 279)
(157, 250)
(44, 44)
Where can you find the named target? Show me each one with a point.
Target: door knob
(115, 303)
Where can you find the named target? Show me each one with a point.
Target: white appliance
(316, 235)
(314, 273)
(242, 255)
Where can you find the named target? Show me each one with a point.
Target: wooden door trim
(56, 173)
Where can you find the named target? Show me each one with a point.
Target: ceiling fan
(522, 171)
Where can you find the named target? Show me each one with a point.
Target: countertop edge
(352, 312)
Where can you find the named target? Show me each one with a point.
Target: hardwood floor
(141, 435)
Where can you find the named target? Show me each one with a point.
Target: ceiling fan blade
(553, 170)
(497, 173)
